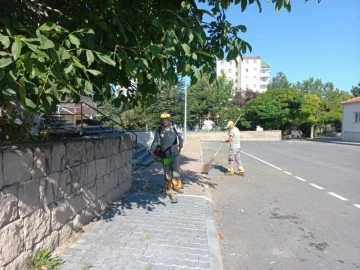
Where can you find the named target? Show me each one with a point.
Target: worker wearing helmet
(167, 144)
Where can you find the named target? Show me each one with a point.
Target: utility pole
(185, 113)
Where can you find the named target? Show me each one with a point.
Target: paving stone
(141, 237)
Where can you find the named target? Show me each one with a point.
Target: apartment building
(250, 73)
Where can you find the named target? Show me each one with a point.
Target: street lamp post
(185, 113)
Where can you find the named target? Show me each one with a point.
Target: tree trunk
(312, 132)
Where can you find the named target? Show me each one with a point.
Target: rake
(207, 166)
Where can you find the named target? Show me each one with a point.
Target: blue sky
(318, 40)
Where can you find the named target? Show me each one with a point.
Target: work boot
(230, 172)
(179, 190)
(241, 171)
(173, 198)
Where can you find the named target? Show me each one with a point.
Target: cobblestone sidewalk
(145, 231)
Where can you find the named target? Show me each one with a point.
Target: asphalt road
(298, 206)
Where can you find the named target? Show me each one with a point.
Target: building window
(236, 81)
(247, 61)
(236, 64)
(254, 86)
(222, 71)
(357, 117)
(237, 73)
(247, 86)
(255, 69)
(229, 70)
(246, 70)
(230, 62)
(222, 62)
(263, 87)
(255, 77)
(255, 61)
(246, 77)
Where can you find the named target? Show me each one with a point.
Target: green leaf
(2, 74)
(90, 57)
(46, 43)
(5, 62)
(243, 5)
(106, 59)
(186, 49)
(278, 5)
(5, 41)
(10, 91)
(185, 5)
(16, 49)
(194, 56)
(197, 73)
(27, 65)
(155, 49)
(35, 49)
(68, 69)
(47, 26)
(29, 103)
(191, 37)
(88, 87)
(85, 31)
(4, 54)
(94, 72)
(64, 54)
(74, 40)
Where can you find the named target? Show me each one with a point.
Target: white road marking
(289, 173)
(337, 196)
(318, 187)
(299, 178)
(356, 205)
(262, 161)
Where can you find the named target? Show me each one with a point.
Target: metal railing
(97, 123)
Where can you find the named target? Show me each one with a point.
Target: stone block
(87, 215)
(36, 227)
(8, 205)
(119, 160)
(1, 171)
(75, 176)
(107, 184)
(114, 175)
(113, 163)
(60, 214)
(100, 167)
(42, 161)
(115, 146)
(65, 232)
(58, 157)
(91, 171)
(64, 180)
(29, 197)
(120, 177)
(49, 188)
(89, 194)
(19, 262)
(17, 165)
(76, 203)
(84, 174)
(50, 242)
(11, 242)
(99, 187)
(99, 149)
(107, 144)
(73, 153)
(88, 151)
(108, 165)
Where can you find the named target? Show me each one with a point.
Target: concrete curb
(214, 245)
(334, 142)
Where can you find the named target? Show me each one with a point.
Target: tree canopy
(51, 49)
(355, 90)
(279, 81)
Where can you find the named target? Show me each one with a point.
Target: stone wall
(48, 191)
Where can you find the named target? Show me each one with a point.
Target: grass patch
(42, 260)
